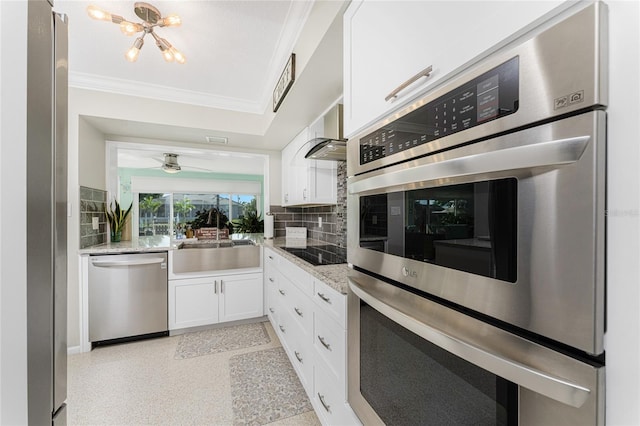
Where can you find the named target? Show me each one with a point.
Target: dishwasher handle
(132, 262)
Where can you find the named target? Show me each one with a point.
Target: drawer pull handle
(271, 279)
(424, 73)
(281, 292)
(271, 257)
(325, 298)
(324, 404)
(325, 344)
(281, 328)
(298, 311)
(215, 287)
(271, 310)
(298, 356)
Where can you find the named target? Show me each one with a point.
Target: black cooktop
(319, 255)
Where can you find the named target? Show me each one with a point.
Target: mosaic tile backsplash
(334, 218)
(92, 203)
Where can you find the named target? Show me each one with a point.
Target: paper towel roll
(268, 225)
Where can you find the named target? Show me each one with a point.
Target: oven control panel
(487, 97)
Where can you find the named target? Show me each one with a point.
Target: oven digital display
(492, 95)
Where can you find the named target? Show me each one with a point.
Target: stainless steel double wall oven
(477, 235)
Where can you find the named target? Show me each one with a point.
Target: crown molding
(296, 19)
(163, 93)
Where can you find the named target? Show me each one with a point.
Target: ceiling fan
(170, 164)
(151, 18)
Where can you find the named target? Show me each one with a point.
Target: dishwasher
(127, 297)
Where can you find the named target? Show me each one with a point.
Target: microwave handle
(383, 297)
(556, 152)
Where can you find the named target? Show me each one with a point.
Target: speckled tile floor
(141, 383)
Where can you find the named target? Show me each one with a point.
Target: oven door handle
(545, 154)
(405, 308)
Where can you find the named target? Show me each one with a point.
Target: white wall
(91, 151)
(13, 204)
(622, 339)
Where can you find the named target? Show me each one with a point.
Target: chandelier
(152, 18)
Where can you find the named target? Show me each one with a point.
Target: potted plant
(250, 222)
(117, 219)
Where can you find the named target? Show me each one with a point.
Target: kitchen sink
(216, 244)
(215, 256)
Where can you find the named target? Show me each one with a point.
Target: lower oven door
(413, 361)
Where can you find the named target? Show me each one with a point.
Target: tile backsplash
(334, 217)
(92, 202)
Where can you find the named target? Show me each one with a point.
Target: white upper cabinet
(307, 182)
(386, 43)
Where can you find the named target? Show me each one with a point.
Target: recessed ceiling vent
(220, 140)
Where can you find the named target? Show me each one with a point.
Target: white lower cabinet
(309, 318)
(210, 300)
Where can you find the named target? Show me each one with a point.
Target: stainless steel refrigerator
(46, 231)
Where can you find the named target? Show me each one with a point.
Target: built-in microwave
(477, 235)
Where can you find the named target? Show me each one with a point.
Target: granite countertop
(335, 276)
(154, 243)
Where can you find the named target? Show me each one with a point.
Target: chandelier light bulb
(168, 55)
(179, 57)
(171, 21)
(134, 51)
(132, 54)
(130, 28)
(96, 13)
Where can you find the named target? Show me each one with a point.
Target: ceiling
(235, 50)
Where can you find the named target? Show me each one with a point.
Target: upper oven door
(512, 227)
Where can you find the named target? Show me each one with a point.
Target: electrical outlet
(320, 221)
(94, 223)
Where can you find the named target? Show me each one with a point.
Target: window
(153, 214)
(171, 214)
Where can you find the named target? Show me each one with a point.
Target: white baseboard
(72, 350)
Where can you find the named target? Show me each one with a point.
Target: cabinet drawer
(329, 340)
(300, 353)
(300, 307)
(332, 302)
(298, 276)
(330, 399)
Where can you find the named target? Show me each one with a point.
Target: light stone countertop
(335, 276)
(154, 243)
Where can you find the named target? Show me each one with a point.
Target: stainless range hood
(331, 146)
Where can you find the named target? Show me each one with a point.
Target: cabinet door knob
(281, 292)
(271, 310)
(325, 298)
(325, 344)
(424, 73)
(324, 404)
(271, 279)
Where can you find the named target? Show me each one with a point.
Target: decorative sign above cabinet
(285, 82)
